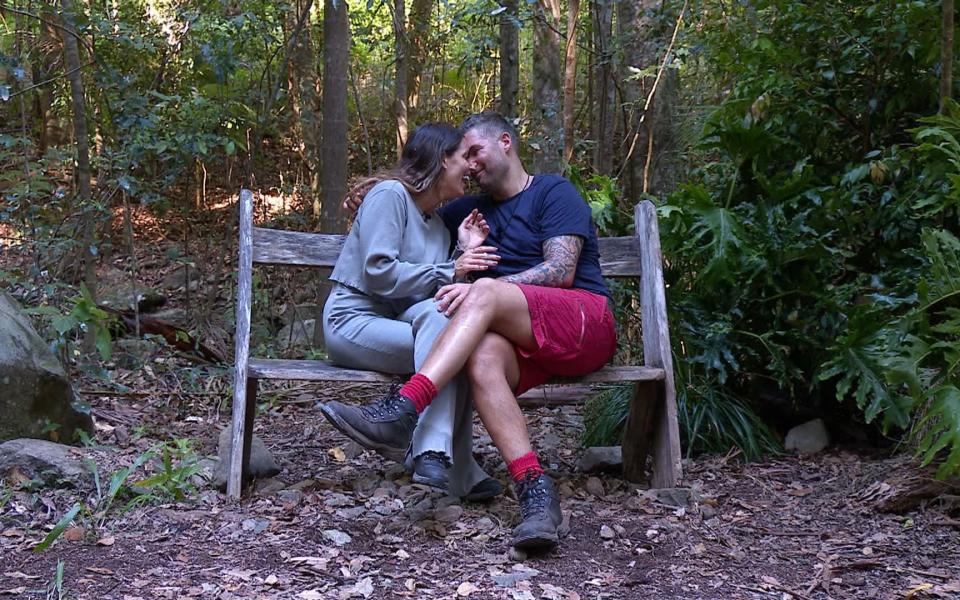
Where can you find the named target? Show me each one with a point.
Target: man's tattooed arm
(560, 256)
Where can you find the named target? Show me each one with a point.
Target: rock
(809, 438)
(607, 533)
(174, 316)
(678, 497)
(601, 459)
(181, 277)
(262, 463)
(44, 461)
(449, 514)
(119, 290)
(336, 536)
(595, 487)
(301, 312)
(297, 334)
(37, 400)
(134, 353)
(269, 486)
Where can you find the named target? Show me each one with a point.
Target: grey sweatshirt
(393, 252)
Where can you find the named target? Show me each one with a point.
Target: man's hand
(351, 204)
(472, 231)
(449, 297)
(480, 258)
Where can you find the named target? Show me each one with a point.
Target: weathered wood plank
(618, 255)
(667, 469)
(319, 370)
(636, 443)
(242, 343)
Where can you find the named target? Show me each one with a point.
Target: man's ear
(506, 142)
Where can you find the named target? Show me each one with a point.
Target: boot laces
(390, 406)
(532, 495)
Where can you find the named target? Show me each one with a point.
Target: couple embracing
(518, 297)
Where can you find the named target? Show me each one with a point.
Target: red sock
(524, 466)
(420, 390)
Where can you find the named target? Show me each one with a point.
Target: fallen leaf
(310, 595)
(14, 591)
(337, 454)
(20, 575)
(100, 570)
(74, 534)
(106, 541)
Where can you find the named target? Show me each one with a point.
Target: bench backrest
(618, 255)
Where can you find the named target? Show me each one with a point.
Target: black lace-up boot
(540, 509)
(432, 468)
(385, 425)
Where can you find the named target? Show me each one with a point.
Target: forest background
(804, 158)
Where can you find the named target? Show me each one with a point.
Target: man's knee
(483, 294)
(489, 360)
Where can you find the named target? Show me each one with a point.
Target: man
(542, 311)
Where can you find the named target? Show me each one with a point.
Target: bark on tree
(946, 55)
(87, 228)
(418, 44)
(605, 89)
(509, 58)
(400, 73)
(303, 88)
(648, 141)
(547, 93)
(570, 78)
(336, 56)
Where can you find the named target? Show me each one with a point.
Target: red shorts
(574, 330)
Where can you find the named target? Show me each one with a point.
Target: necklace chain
(502, 225)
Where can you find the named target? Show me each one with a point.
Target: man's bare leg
(494, 374)
(491, 306)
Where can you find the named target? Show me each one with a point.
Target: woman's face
(455, 169)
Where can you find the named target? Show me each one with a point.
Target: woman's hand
(472, 231)
(480, 258)
(449, 297)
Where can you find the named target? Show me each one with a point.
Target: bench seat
(321, 370)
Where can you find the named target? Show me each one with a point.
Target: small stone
(595, 487)
(676, 497)
(338, 537)
(809, 438)
(349, 514)
(607, 533)
(262, 463)
(449, 514)
(270, 486)
(601, 459)
(517, 555)
(566, 490)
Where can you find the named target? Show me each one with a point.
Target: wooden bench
(652, 421)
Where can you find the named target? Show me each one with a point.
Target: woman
(380, 314)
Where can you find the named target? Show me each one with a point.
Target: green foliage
(55, 589)
(178, 464)
(84, 316)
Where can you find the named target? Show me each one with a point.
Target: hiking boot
(384, 425)
(484, 490)
(432, 468)
(540, 509)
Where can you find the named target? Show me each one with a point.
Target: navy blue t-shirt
(550, 207)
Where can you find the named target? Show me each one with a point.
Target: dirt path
(353, 526)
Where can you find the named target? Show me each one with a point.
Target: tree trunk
(509, 58)
(548, 122)
(336, 56)
(418, 45)
(570, 78)
(400, 74)
(648, 141)
(605, 89)
(946, 56)
(87, 228)
(303, 87)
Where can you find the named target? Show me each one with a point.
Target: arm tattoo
(560, 256)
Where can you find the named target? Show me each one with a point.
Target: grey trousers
(362, 333)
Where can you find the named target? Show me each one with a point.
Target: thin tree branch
(17, 11)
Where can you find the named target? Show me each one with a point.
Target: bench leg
(637, 435)
(252, 386)
(242, 439)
